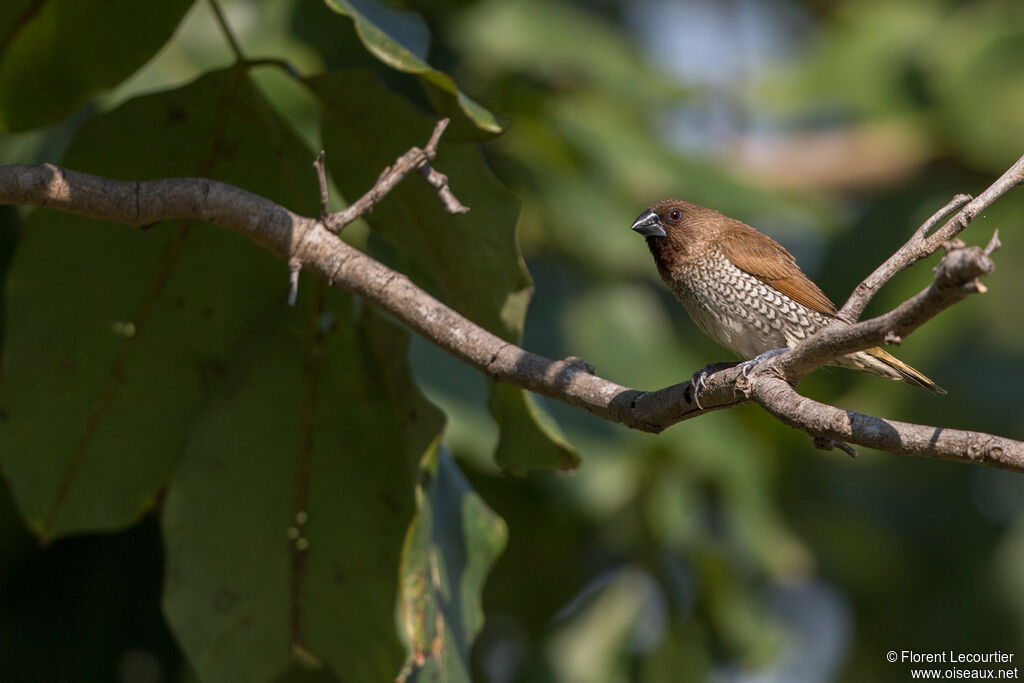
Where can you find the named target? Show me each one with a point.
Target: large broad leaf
(286, 516)
(450, 548)
(400, 40)
(470, 261)
(55, 55)
(113, 336)
(285, 521)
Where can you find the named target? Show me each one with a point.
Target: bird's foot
(748, 365)
(699, 377)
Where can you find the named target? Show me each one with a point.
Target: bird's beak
(648, 224)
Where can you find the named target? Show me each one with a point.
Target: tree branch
(924, 242)
(956, 277)
(309, 242)
(415, 158)
(837, 425)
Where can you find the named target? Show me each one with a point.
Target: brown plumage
(744, 290)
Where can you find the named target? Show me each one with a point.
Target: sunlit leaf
(448, 552)
(399, 39)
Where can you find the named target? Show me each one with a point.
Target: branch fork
(313, 243)
(415, 159)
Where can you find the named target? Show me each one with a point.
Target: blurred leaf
(114, 335)
(628, 613)
(867, 57)
(587, 162)
(285, 519)
(451, 546)
(529, 438)
(989, 39)
(55, 55)
(469, 261)
(1008, 559)
(562, 43)
(10, 230)
(741, 622)
(682, 657)
(626, 332)
(399, 39)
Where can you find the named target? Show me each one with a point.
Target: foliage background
(726, 548)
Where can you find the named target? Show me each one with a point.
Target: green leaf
(529, 439)
(450, 548)
(285, 521)
(114, 336)
(399, 39)
(864, 59)
(983, 70)
(55, 55)
(593, 640)
(471, 261)
(560, 43)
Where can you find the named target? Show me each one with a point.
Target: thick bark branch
(308, 242)
(827, 422)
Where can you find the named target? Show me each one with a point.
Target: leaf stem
(235, 47)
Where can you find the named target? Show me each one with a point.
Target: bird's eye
(674, 215)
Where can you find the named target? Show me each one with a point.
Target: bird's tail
(879, 362)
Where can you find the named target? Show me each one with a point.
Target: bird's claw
(698, 381)
(748, 365)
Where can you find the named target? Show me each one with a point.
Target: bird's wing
(768, 261)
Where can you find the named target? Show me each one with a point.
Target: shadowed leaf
(469, 261)
(114, 336)
(285, 520)
(55, 55)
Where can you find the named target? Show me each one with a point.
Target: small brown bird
(744, 290)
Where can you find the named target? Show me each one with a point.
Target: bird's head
(675, 216)
(678, 224)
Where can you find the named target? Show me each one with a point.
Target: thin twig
(914, 250)
(957, 269)
(925, 242)
(993, 243)
(321, 179)
(415, 158)
(294, 267)
(440, 182)
(226, 29)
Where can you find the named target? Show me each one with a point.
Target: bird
(745, 290)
